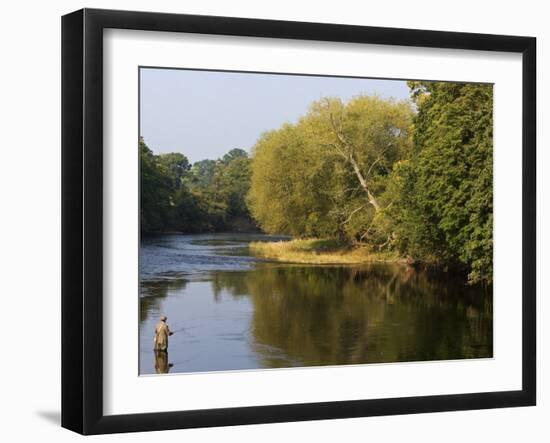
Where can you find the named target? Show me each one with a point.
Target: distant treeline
(411, 176)
(206, 196)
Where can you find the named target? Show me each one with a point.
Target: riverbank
(320, 251)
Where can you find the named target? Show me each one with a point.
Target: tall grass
(319, 251)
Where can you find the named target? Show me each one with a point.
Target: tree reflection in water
(309, 316)
(281, 315)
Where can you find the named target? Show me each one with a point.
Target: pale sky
(204, 114)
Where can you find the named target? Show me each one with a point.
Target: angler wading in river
(162, 331)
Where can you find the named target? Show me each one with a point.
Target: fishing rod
(182, 329)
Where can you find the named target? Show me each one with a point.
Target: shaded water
(232, 311)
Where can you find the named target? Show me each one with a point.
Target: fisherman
(162, 331)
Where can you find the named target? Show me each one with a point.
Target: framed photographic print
(269, 221)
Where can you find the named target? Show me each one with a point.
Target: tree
(369, 134)
(155, 189)
(211, 196)
(201, 173)
(234, 176)
(326, 175)
(445, 211)
(176, 167)
(289, 181)
(233, 155)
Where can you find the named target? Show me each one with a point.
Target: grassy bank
(319, 251)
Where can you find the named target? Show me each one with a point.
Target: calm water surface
(230, 310)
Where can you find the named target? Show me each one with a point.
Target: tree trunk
(349, 155)
(363, 182)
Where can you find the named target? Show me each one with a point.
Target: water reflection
(305, 316)
(152, 293)
(161, 362)
(271, 315)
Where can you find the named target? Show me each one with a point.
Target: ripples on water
(230, 310)
(175, 256)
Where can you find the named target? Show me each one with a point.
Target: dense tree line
(445, 188)
(408, 176)
(413, 177)
(206, 196)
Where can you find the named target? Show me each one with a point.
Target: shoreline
(321, 251)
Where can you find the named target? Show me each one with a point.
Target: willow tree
(288, 185)
(368, 134)
(326, 175)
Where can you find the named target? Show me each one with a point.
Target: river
(230, 310)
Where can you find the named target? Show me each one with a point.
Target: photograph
(292, 220)
(259, 222)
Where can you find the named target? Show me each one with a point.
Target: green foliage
(155, 189)
(304, 181)
(445, 210)
(175, 166)
(415, 180)
(289, 185)
(206, 196)
(201, 173)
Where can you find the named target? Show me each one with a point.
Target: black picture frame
(82, 215)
